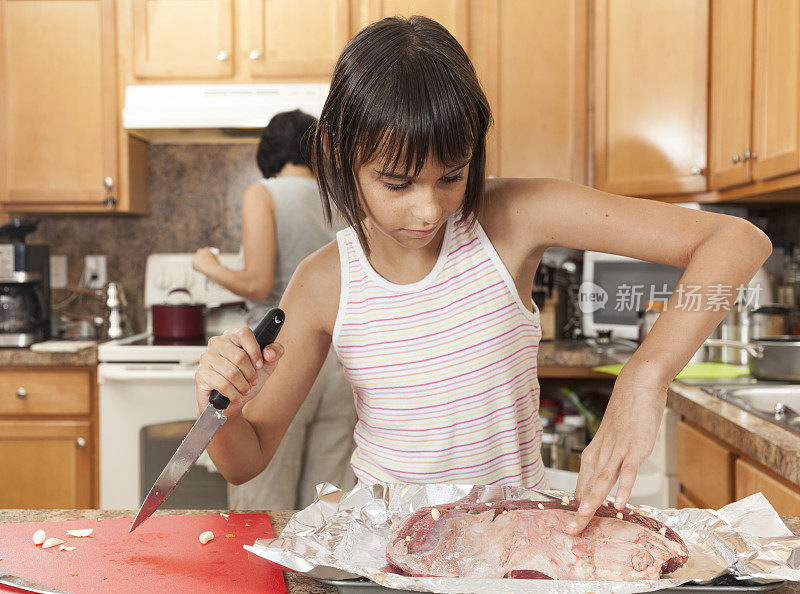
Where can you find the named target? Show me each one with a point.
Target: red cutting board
(162, 555)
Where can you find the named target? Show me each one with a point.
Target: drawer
(42, 392)
(705, 467)
(752, 478)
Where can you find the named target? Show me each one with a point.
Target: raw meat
(526, 540)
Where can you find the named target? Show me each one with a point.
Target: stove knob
(80, 443)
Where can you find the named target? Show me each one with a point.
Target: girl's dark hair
(286, 139)
(401, 90)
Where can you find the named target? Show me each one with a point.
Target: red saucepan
(183, 321)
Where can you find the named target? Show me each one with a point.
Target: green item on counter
(692, 370)
(592, 419)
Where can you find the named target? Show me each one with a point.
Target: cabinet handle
(747, 156)
(255, 54)
(108, 182)
(222, 56)
(697, 170)
(754, 155)
(21, 392)
(735, 158)
(80, 443)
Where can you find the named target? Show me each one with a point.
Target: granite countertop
(767, 443)
(552, 353)
(568, 353)
(27, 358)
(295, 584)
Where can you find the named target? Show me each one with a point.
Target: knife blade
(23, 584)
(202, 432)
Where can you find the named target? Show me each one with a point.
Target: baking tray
(724, 583)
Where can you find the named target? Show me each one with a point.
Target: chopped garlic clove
(51, 542)
(226, 516)
(565, 500)
(39, 537)
(81, 532)
(662, 531)
(457, 507)
(488, 504)
(206, 536)
(408, 538)
(65, 548)
(619, 515)
(540, 506)
(435, 514)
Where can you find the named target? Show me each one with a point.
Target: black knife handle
(266, 332)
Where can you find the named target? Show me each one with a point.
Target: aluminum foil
(344, 535)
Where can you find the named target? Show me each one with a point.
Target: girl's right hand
(234, 365)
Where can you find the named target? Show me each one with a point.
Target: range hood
(214, 112)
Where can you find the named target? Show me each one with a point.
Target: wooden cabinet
(754, 124)
(752, 478)
(776, 88)
(48, 438)
(730, 93)
(58, 109)
(236, 41)
(705, 467)
(279, 47)
(455, 15)
(182, 38)
(650, 100)
(712, 474)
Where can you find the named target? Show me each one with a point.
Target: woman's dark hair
(286, 139)
(403, 89)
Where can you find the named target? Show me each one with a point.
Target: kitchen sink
(777, 403)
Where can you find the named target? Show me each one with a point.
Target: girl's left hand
(624, 440)
(205, 261)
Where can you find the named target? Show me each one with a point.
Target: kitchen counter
(775, 447)
(27, 358)
(552, 354)
(295, 584)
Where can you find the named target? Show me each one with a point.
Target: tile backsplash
(195, 198)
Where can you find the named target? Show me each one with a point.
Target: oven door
(141, 406)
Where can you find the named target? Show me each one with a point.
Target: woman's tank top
(300, 230)
(443, 369)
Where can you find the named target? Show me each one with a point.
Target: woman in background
(282, 223)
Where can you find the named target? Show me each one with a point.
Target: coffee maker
(24, 286)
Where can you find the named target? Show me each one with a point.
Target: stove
(147, 394)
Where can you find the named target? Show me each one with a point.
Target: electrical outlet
(94, 270)
(58, 271)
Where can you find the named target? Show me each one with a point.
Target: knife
(23, 584)
(202, 432)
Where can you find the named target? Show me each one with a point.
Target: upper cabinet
(58, 108)
(182, 38)
(729, 140)
(236, 40)
(452, 14)
(280, 44)
(776, 88)
(650, 100)
(754, 128)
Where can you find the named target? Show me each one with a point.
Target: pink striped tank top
(443, 370)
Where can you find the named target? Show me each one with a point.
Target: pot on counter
(180, 318)
(769, 358)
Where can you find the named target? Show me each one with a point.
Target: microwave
(614, 289)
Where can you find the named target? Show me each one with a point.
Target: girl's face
(411, 210)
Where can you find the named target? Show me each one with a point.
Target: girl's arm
(246, 443)
(715, 250)
(255, 280)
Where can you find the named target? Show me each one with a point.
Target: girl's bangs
(427, 116)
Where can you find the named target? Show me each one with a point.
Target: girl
(282, 223)
(426, 296)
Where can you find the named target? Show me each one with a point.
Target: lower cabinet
(46, 464)
(712, 474)
(48, 445)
